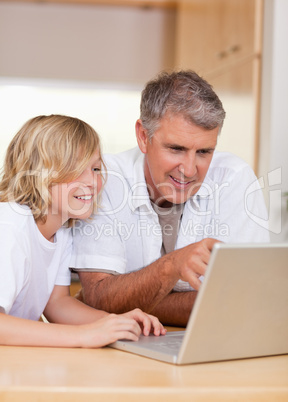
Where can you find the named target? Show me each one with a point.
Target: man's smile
(180, 183)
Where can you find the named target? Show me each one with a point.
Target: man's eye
(204, 151)
(176, 149)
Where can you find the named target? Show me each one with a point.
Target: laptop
(241, 310)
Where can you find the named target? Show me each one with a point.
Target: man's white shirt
(126, 236)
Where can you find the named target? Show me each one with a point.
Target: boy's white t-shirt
(30, 265)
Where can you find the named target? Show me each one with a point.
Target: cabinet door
(220, 40)
(213, 34)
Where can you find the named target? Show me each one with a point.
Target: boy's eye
(97, 169)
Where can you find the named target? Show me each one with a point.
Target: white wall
(129, 46)
(86, 61)
(93, 43)
(274, 116)
(107, 45)
(112, 111)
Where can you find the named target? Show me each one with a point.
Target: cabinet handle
(231, 50)
(234, 49)
(222, 54)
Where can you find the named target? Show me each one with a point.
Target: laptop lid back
(242, 307)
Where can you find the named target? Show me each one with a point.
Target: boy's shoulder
(13, 213)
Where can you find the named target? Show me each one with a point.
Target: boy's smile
(76, 199)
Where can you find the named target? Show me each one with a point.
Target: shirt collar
(140, 195)
(205, 192)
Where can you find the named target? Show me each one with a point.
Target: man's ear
(142, 136)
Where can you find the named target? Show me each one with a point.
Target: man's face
(177, 159)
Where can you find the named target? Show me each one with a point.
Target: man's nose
(188, 166)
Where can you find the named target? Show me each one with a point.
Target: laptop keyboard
(171, 343)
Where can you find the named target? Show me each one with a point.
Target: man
(165, 205)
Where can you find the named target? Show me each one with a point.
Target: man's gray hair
(182, 93)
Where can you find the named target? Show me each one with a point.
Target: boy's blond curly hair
(47, 150)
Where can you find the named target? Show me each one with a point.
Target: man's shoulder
(123, 171)
(122, 162)
(227, 167)
(227, 163)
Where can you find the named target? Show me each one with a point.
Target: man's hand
(190, 262)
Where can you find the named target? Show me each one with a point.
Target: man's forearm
(120, 293)
(149, 286)
(175, 308)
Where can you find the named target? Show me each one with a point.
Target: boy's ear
(142, 136)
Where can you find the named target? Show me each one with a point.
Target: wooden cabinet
(214, 36)
(221, 40)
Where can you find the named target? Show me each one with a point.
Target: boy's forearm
(70, 311)
(22, 332)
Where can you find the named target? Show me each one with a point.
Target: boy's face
(176, 159)
(76, 199)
